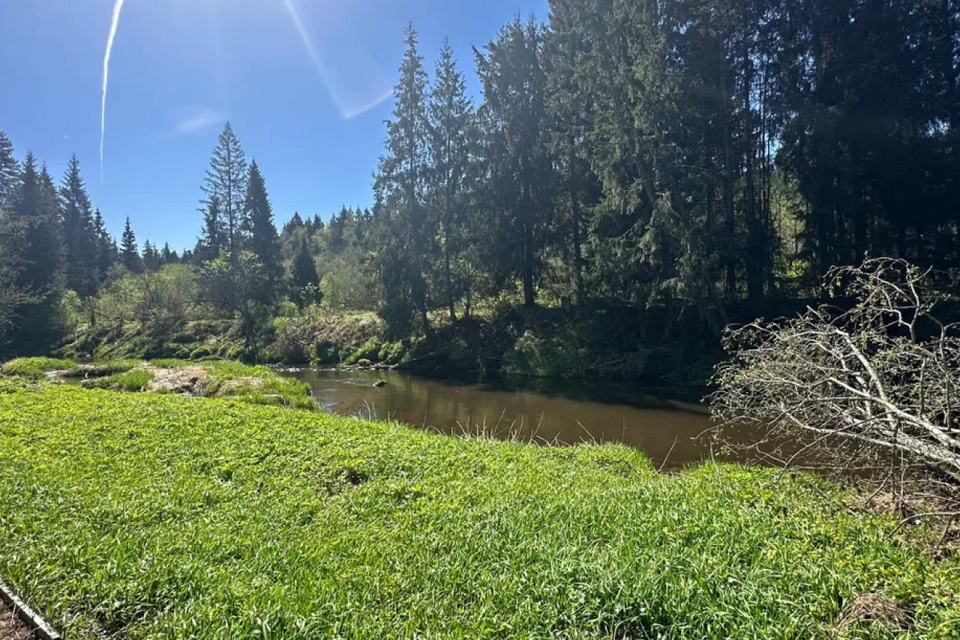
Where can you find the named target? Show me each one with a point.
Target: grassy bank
(209, 379)
(601, 342)
(148, 516)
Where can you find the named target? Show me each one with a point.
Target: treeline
(638, 152)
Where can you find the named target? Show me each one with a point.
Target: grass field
(158, 516)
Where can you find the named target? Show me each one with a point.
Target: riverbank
(149, 515)
(208, 379)
(651, 347)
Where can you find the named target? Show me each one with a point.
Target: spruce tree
(79, 234)
(167, 256)
(212, 238)
(129, 254)
(9, 173)
(259, 228)
(151, 257)
(36, 212)
(513, 80)
(304, 278)
(106, 250)
(226, 184)
(36, 207)
(296, 222)
(452, 141)
(402, 179)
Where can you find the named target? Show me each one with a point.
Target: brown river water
(663, 426)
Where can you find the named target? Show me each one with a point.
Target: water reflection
(567, 412)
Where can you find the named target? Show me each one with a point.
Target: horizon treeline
(629, 152)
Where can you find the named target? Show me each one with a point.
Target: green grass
(154, 516)
(133, 380)
(35, 368)
(253, 384)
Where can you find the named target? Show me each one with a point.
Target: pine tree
(259, 228)
(452, 141)
(226, 184)
(106, 250)
(129, 254)
(402, 179)
(304, 279)
(9, 173)
(79, 235)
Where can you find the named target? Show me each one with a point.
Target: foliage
(239, 288)
(585, 541)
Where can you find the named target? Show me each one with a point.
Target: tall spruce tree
(259, 228)
(37, 208)
(36, 212)
(129, 253)
(402, 180)
(79, 234)
(106, 250)
(226, 185)
(452, 143)
(514, 83)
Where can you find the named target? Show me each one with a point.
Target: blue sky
(312, 115)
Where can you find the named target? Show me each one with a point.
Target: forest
(688, 156)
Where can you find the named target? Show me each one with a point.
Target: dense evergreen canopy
(627, 152)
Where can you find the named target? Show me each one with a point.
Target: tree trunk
(529, 295)
(577, 249)
(446, 270)
(729, 219)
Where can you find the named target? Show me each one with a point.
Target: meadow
(162, 516)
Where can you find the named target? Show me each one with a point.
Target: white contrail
(106, 72)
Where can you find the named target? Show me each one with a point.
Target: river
(663, 426)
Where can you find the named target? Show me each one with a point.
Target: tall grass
(151, 516)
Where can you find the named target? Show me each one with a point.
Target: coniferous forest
(693, 157)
